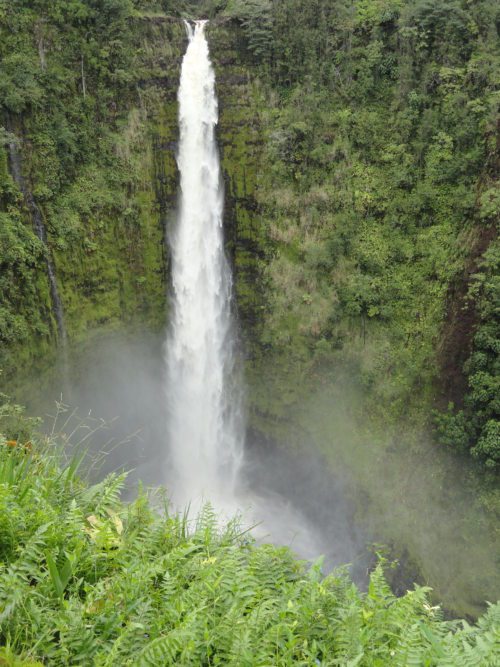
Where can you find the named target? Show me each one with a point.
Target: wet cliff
(101, 214)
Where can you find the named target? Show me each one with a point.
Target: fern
(88, 580)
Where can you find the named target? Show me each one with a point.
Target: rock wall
(106, 227)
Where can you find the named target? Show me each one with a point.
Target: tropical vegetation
(361, 150)
(86, 579)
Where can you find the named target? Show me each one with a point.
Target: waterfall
(205, 427)
(39, 227)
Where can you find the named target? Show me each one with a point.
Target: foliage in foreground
(86, 579)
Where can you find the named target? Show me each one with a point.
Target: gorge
(314, 210)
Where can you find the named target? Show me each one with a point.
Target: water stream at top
(205, 427)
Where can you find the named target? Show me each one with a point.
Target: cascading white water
(204, 397)
(205, 429)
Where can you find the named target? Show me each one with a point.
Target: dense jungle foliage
(88, 580)
(77, 91)
(381, 199)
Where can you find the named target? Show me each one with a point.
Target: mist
(322, 488)
(419, 501)
(115, 410)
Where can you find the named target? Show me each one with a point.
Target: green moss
(102, 170)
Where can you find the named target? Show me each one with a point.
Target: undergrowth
(86, 579)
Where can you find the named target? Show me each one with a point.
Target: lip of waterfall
(191, 26)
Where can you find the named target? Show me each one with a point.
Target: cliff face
(105, 217)
(241, 145)
(102, 174)
(347, 232)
